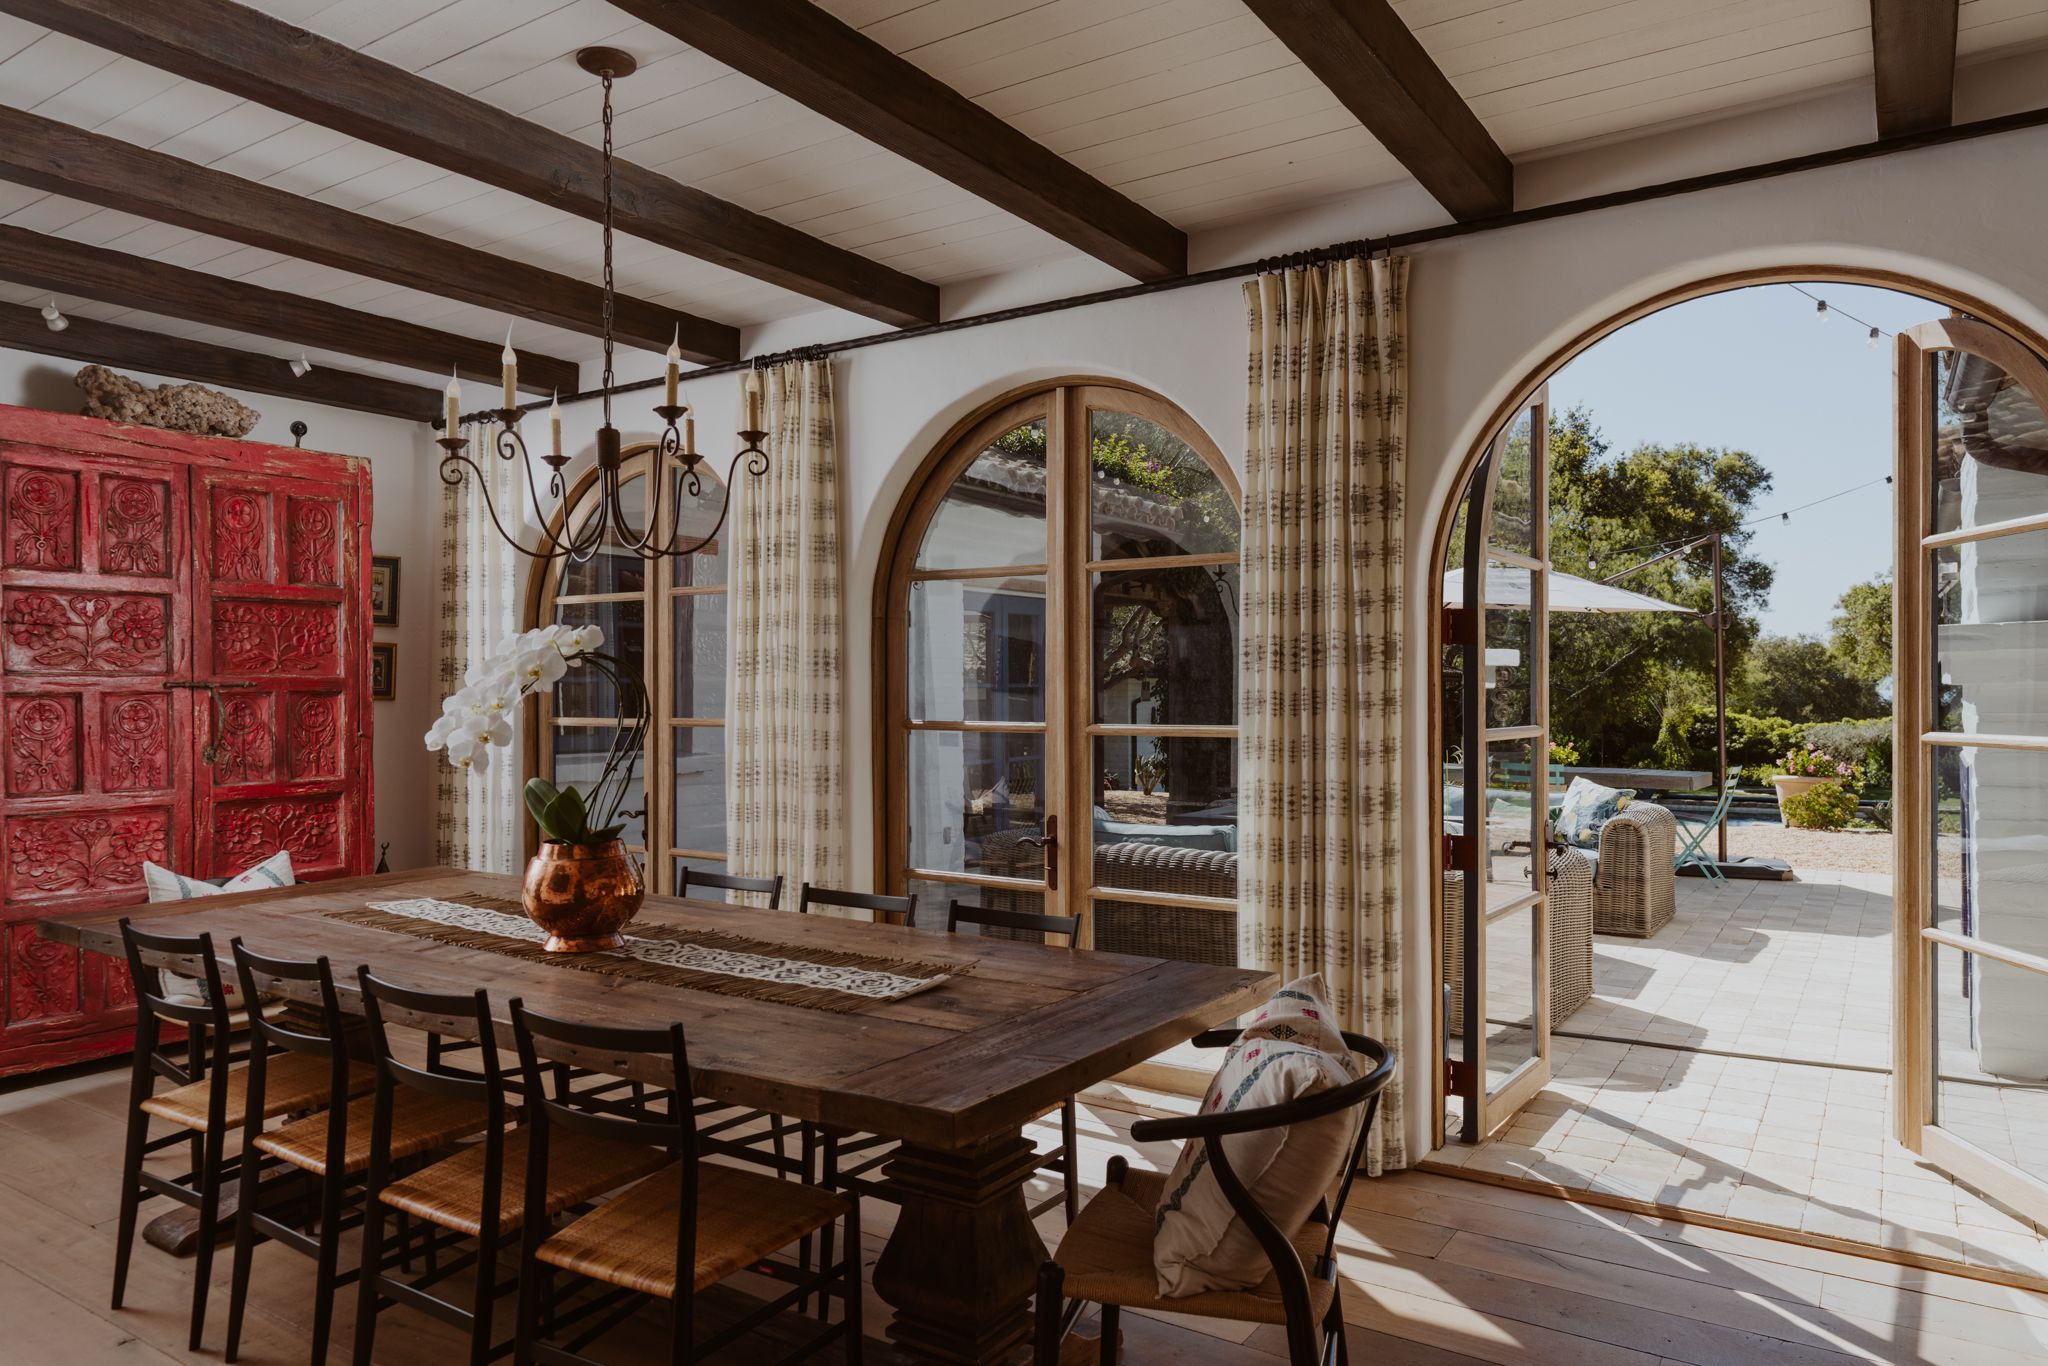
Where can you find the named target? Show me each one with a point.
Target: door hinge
(1457, 1077)
(1461, 853)
(1457, 625)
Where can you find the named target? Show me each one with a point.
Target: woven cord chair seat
(419, 1123)
(451, 1192)
(293, 1082)
(742, 1218)
(1107, 1256)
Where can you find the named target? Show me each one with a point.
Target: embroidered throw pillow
(1291, 1049)
(1587, 807)
(166, 885)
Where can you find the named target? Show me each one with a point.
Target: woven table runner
(702, 960)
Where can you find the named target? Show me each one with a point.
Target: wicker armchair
(1635, 886)
(1571, 937)
(1195, 936)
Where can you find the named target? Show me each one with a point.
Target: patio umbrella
(1508, 586)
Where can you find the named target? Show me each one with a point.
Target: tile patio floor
(1798, 975)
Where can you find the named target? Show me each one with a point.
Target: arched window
(665, 618)
(1061, 677)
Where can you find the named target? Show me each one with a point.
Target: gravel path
(1843, 851)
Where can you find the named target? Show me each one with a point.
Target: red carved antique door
(280, 641)
(94, 622)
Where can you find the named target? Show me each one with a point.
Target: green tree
(1860, 633)
(1801, 679)
(1618, 683)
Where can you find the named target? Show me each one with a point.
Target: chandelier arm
(452, 466)
(757, 465)
(512, 446)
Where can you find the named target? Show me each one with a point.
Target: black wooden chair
(1106, 1256)
(689, 881)
(316, 1163)
(675, 1233)
(888, 910)
(206, 1100)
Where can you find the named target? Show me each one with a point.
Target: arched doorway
(1057, 696)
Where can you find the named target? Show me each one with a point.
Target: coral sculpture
(174, 407)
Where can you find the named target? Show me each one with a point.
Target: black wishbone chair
(1106, 1256)
(672, 1235)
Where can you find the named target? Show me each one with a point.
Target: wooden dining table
(955, 1072)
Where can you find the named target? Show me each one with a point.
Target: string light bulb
(1872, 342)
(1820, 310)
(53, 319)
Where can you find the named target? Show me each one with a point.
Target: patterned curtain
(785, 717)
(1320, 713)
(477, 583)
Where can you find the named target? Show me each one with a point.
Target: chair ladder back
(770, 887)
(902, 910)
(959, 913)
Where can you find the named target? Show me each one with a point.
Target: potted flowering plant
(583, 885)
(1804, 768)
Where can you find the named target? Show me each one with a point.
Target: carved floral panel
(56, 631)
(313, 735)
(83, 851)
(119, 988)
(274, 637)
(245, 750)
(313, 541)
(41, 518)
(42, 977)
(248, 832)
(241, 535)
(135, 529)
(41, 758)
(134, 742)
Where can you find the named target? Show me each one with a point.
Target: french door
(1496, 751)
(1970, 822)
(1062, 675)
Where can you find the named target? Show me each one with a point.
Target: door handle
(1050, 843)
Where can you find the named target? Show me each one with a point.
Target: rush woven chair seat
(453, 1192)
(1635, 883)
(674, 1233)
(1106, 1257)
(420, 1125)
(295, 1084)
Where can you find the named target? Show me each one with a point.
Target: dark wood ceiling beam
(809, 55)
(131, 348)
(1913, 48)
(52, 156)
(253, 55)
(114, 277)
(1369, 60)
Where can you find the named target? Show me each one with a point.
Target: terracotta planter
(1791, 785)
(583, 894)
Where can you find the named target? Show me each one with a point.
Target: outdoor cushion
(166, 885)
(1586, 807)
(1108, 831)
(1292, 1049)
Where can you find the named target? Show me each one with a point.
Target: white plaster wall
(1482, 312)
(407, 498)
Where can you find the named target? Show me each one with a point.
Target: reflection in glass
(698, 676)
(1994, 885)
(1514, 492)
(700, 514)
(700, 865)
(1507, 668)
(977, 650)
(584, 691)
(580, 758)
(1186, 934)
(613, 568)
(995, 512)
(972, 794)
(1166, 646)
(1990, 445)
(1153, 494)
(1160, 794)
(1514, 822)
(933, 899)
(1510, 994)
(1991, 634)
(1991, 1053)
(700, 787)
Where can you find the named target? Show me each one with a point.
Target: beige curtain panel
(786, 714)
(1319, 708)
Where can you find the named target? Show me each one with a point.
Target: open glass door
(1496, 969)
(1971, 766)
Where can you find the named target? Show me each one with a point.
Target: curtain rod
(1356, 249)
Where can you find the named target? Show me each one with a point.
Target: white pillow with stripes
(166, 885)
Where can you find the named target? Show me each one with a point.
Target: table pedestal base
(961, 1265)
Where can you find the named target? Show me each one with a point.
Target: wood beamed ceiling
(940, 108)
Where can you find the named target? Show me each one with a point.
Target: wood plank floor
(1437, 1270)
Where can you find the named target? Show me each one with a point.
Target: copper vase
(583, 894)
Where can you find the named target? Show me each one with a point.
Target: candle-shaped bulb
(689, 436)
(453, 393)
(675, 365)
(510, 359)
(754, 401)
(555, 423)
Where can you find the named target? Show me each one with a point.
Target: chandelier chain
(608, 220)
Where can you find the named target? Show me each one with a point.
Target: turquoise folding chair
(1693, 838)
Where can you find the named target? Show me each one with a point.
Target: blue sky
(1752, 369)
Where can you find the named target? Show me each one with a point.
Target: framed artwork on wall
(383, 671)
(384, 590)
